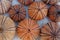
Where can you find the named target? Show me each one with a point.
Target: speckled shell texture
(50, 31)
(28, 30)
(37, 10)
(8, 27)
(17, 12)
(4, 6)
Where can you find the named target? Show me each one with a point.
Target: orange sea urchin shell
(28, 29)
(37, 10)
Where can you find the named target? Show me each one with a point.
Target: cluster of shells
(28, 28)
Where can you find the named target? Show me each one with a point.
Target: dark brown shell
(53, 13)
(17, 12)
(26, 2)
(38, 10)
(50, 31)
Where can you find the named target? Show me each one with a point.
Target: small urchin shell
(7, 28)
(4, 6)
(17, 12)
(50, 31)
(53, 13)
(28, 29)
(38, 10)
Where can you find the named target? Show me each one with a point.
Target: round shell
(4, 6)
(37, 10)
(50, 31)
(25, 2)
(17, 12)
(53, 13)
(28, 29)
(7, 28)
(52, 2)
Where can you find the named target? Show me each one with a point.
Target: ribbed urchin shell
(4, 6)
(38, 10)
(28, 29)
(7, 28)
(50, 31)
(17, 12)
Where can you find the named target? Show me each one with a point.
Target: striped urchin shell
(37, 10)
(7, 28)
(17, 12)
(28, 29)
(4, 6)
(50, 31)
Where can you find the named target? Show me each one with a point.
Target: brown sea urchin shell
(28, 29)
(53, 13)
(58, 18)
(17, 12)
(4, 6)
(50, 31)
(37, 10)
(7, 28)
(25, 2)
(52, 2)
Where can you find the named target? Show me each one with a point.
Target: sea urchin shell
(28, 29)
(4, 6)
(50, 31)
(17, 12)
(37, 10)
(7, 28)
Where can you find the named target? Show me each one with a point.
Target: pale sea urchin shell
(4, 6)
(7, 28)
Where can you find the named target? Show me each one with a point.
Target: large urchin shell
(28, 30)
(50, 31)
(4, 6)
(7, 28)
